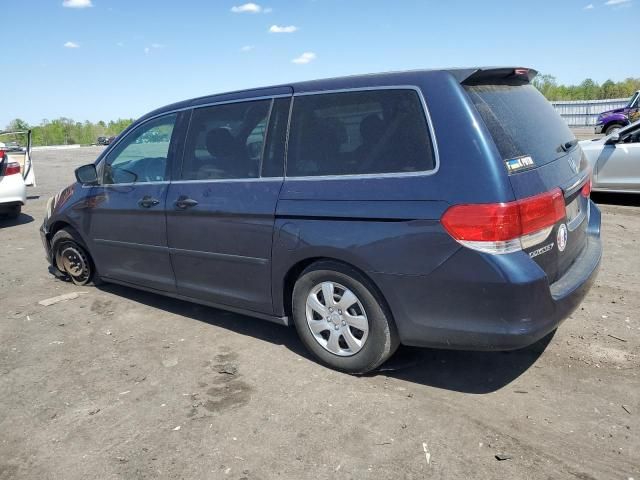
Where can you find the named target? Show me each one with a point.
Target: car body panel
(13, 190)
(129, 242)
(615, 167)
(229, 260)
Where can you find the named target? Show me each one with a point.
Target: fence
(582, 113)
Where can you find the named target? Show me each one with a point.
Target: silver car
(615, 160)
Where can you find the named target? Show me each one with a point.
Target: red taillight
(483, 222)
(12, 168)
(1, 154)
(501, 225)
(586, 189)
(541, 211)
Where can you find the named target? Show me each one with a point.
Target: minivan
(442, 208)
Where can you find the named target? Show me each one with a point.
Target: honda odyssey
(444, 208)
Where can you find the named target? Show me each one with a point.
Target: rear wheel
(72, 258)
(341, 319)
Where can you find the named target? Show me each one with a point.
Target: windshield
(521, 121)
(634, 100)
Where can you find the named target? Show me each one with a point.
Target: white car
(16, 173)
(615, 160)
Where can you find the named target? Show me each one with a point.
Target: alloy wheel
(337, 319)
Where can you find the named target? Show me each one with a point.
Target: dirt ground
(123, 384)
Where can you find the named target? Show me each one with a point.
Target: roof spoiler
(500, 76)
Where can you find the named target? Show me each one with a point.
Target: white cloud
(71, 45)
(589, 7)
(617, 2)
(247, 48)
(247, 8)
(77, 3)
(279, 29)
(305, 58)
(147, 50)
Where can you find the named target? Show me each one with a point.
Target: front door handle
(148, 202)
(185, 202)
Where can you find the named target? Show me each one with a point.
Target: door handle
(148, 202)
(185, 202)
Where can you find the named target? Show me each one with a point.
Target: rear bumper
(482, 302)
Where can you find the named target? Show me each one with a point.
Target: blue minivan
(444, 208)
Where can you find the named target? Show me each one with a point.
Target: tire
(368, 347)
(15, 212)
(72, 258)
(612, 128)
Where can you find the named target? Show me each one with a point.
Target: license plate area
(576, 212)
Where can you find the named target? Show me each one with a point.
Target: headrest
(220, 142)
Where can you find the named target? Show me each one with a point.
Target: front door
(127, 224)
(220, 213)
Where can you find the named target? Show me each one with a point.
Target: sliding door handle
(148, 202)
(185, 202)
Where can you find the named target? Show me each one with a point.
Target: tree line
(587, 90)
(65, 131)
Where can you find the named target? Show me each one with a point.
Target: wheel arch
(295, 270)
(59, 224)
(612, 123)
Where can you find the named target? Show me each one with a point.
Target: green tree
(586, 90)
(65, 131)
(17, 124)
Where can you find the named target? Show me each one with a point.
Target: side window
(374, 131)
(142, 155)
(226, 141)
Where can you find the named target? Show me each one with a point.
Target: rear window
(373, 131)
(521, 121)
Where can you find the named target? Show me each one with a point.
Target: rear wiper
(569, 145)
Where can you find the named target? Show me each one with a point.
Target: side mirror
(87, 174)
(613, 139)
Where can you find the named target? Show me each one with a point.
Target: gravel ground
(123, 384)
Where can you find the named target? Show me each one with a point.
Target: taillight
(12, 168)
(505, 227)
(586, 189)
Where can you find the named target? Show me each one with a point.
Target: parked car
(615, 160)
(12, 147)
(16, 173)
(610, 121)
(104, 140)
(443, 208)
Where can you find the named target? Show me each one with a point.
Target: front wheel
(71, 257)
(612, 129)
(341, 319)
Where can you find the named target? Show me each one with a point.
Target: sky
(108, 59)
